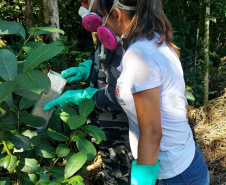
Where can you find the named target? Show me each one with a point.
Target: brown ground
(209, 126)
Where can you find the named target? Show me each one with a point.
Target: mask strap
(118, 5)
(90, 6)
(124, 7)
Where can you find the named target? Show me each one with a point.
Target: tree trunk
(28, 14)
(206, 53)
(51, 16)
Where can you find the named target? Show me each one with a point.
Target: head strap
(90, 5)
(121, 6)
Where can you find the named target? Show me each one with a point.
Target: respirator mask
(106, 35)
(90, 20)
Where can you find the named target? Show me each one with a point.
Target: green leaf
(49, 29)
(6, 88)
(28, 94)
(46, 151)
(76, 179)
(9, 122)
(76, 121)
(35, 81)
(189, 96)
(74, 163)
(62, 150)
(20, 141)
(42, 54)
(44, 177)
(30, 133)
(31, 120)
(54, 183)
(2, 161)
(10, 162)
(67, 113)
(57, 136)
(86, 106)
(32, 45)
(10, 28)
(57, 172)
(26, 103)
(35, 31)
(8, 65)
(86, 147)
(95, 132)
(41, 138)
(29, 165)
(59, 179)
(4, 181)
(28, 179)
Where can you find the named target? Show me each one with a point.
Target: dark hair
(84, 1)
(148, 18)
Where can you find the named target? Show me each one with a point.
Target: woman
(151, 90)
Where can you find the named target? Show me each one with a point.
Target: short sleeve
(145, 72)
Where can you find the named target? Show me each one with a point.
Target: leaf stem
(52, 164)
(4, 143)
(26, 42)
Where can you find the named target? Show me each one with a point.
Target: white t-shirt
(145, 66)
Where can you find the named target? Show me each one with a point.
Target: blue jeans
(195, 174)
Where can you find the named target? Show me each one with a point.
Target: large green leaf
(31, 46)
(8, 65)
(95, 132)
(86, 106)
(26, 103)
(9, 122)
(4, 181)
(10, 162)
(28, 179)
(62, 150)
(28, 94)
(78, 180)
(20, 141)
(76, 121)
(35, 81)
(67, 113)
(31, 120)
(42, 54)
(57, 171)
(48, 29)
(29, 165)
(6, 88)
(74, 163)
(57, 136)
(46, 151)
(8, 28)
(86, 147)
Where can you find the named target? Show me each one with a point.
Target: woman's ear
(117, 15)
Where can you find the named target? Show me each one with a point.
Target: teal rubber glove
(144, 174)
(79, 73)
(71, 97)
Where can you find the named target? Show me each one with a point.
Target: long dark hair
(148, 18)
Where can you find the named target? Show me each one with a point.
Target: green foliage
(27, 152)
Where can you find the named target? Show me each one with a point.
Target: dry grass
(209, 126)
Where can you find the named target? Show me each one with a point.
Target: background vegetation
(188, 19)
(186, 16)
